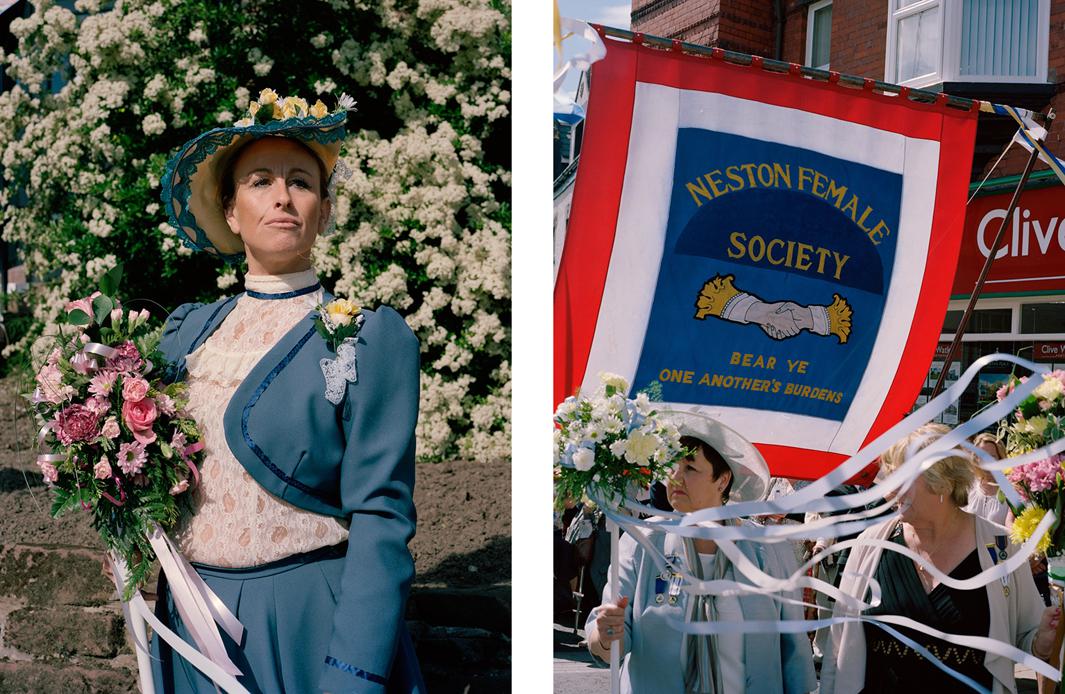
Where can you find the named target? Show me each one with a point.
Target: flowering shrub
(105, 95)
(607, 443)
(127, 450)
(1036, 422)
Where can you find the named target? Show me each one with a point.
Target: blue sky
(613, 13)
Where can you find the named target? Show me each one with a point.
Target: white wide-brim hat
(750, 474)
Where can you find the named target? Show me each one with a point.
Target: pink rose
(139, 417)
(110, 428)
(102, 469)
(49, 472)
(76, 423)
(126, 358)
(180, 487)
(134, 389)
(84, 304)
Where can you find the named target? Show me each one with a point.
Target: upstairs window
(819, 34)
(934, 41)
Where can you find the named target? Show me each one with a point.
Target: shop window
(819, 34)
(1043, 318)
(934, 41)
(984, 320)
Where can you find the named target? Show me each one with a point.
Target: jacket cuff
(340, 677)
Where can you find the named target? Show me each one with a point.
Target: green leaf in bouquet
(168, 452)
(110, 280)
(66, 500)
(78, 317)
(101, 307)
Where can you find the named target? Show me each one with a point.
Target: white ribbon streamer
(709, 524)
(137, 613)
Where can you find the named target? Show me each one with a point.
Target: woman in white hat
(304, 509)
(723, 466)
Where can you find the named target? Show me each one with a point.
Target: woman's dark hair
(227, 187)
(717, 461)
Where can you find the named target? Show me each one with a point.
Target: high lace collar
(281, 286)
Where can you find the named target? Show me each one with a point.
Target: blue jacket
(295, 443)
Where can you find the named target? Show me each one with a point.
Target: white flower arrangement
(607, 442)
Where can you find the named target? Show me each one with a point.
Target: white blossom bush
(104, 96)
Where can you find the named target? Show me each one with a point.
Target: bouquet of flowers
(1036, 422)
(121, 445)
(608, 442)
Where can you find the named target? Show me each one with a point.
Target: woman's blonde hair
(950, 476)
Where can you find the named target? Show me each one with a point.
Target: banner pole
(978, 289)
(615, 647)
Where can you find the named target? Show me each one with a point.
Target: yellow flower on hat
(253, 108)
(300, 104)
(288, 109)
(319, 110)
(267, 96)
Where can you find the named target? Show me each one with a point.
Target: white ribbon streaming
(710, 524)
(137, 613)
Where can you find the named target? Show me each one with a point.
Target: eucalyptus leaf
(110, 281)
(101, 306)
(78, 317)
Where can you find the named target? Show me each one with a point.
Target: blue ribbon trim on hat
(352, 670)
(285, 295)
(183, 164)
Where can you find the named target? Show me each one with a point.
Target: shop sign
(1049, 351)
(1032, 255)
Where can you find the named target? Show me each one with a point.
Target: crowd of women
(951, 518)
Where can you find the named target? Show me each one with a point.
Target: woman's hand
(1044, 637)
(609, 627)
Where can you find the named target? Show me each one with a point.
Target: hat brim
(191, 182)
(750, 474)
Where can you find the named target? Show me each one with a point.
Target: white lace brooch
(338, 323)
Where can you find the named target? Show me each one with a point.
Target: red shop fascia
(1021, 309)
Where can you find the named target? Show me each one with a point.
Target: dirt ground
(463, 537)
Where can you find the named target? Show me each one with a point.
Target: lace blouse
(236, 522)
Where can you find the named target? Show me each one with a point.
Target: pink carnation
(132, 457)
(110, 428)
(1038, 476)
(102, 382)
(134, 389)
(102, 469)
(98, 404)
(76, 423)
(49, 472)
(180, 487)
(1003, 392)
(139, 417)
(126, 358)
(50, 385)
(166, 404)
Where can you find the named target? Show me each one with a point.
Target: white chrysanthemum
(1050, 389)
(584, 459)
(639, 447)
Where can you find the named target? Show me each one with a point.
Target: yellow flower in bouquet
(1025, 525)
(341, 311)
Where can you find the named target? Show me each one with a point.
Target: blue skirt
(286, 608)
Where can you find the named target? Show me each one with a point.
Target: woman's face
(692, 485)
(919, 502)
(277, 209)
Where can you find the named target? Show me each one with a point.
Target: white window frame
(810, 12)
(949, 58)
(1013, 303)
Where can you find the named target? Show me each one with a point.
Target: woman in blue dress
(304, 508)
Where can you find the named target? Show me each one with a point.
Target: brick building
(1004, 51)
